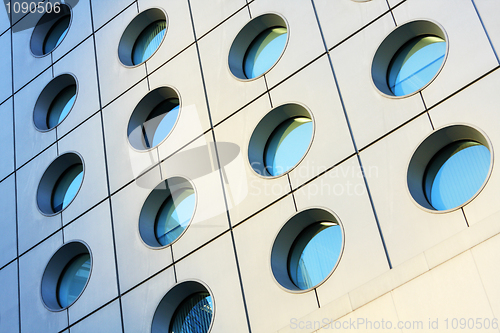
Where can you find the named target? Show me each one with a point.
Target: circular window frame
(39, 34)
(133, 30)
(393, 42)
(47, 97)
(149, 102)
(425, 151)
(244, 38)
(55, 267)
(50, 177)
(170, 302)
(285, 239)
(266, 126)
(150, 209)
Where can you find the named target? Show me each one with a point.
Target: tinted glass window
(264, 51)
(73, 279)
(194, 315)
(56, 34)
(314, 254)
(456, 173)
(174, 216)
(67, 187)
(160, 122)
(61, 106)
(148, 41)
(287, 145)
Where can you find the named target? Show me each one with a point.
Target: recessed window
(66, 187)
(415, 64)
(51, 30)
(264, 51)
(66, 275)
(194, 315)
(456, 173)
(186, 308)
(167, 212)
(280, 140)
(307, 249)
(148, 41)
(60, 183)
(142, 37)
(55, 102)
(409, 58)
(153, 118)
(287, 144)
(314, 254)
(174, 215)
(73, 279)
(258, 46)
(452, 165)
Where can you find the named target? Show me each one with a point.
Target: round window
(194, 314)
(258, 46)
(55, 102)
(186, 308)
(66, 275)
(409, 58)
(142, 37)
(167, 212)
(60, 183)
(153, 118)
(452, 164)
(50, 30)
(280, 140)
(307, 249)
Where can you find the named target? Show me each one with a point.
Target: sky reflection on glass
(264, 51)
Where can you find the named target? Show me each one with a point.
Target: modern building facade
(412, 246)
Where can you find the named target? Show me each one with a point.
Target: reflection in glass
(61, 106)
(264, 51)
(160, 122)
(415, 64)
(194, 315)
(314, 254)
(67, 187)
(56, 34)
(456, 173)
(287, 145)
(174, 215)
(73, 280)
(148, 41)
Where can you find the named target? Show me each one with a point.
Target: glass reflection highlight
(67, 187)
(148, 41)
(73, 279)
(194, 315)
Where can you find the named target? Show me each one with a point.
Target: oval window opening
(415, 64)
(456, 173)
(264, 51)
(194, 314)
(73, 280)
(148, 41)
(50, 30)
(258, 46)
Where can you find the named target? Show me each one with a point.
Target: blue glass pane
(160, 122)
(66, 187)
(56, 34)
(73, 280)
(415, 64)
(264, 51)
(194, 315)
(61, 106)
(287, 145)
(456, 173)
(174, 216)
(148, 41)
(314, 254)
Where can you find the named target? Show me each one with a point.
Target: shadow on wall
(33, 10)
